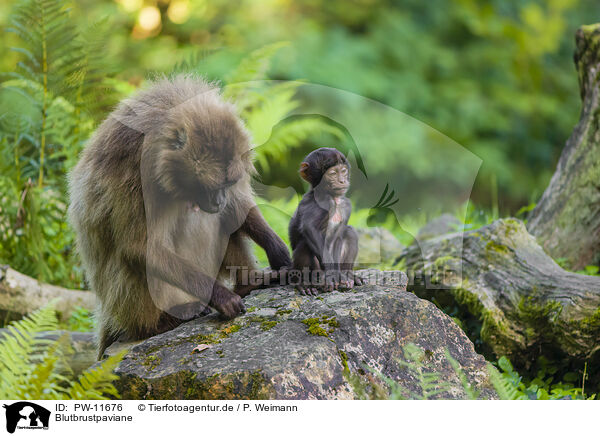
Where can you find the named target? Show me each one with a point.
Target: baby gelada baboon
(162, 206)
(323, 243)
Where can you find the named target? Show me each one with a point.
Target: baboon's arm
(172, 268)
(257, 228)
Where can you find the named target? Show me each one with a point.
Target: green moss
(251, 309)
(267, 325)
(236, 386)
(492, 329)
(443, 260)
(227, 331)
(497, 248)
(535, 313)
(315, 325)
(283, 312)
(344, 358)
(212, 338)
(317, 330)
(589, 326)
(469, 299)
(152, 361)
(511, 225)
(256, 384)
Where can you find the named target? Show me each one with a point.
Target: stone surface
(296, 347)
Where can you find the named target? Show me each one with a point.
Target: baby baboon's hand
(332, 281)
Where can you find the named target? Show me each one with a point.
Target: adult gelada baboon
(161, 203)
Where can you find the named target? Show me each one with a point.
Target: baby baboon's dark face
(201, 161)
(335, 181)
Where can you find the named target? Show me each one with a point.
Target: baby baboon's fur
(161, 203)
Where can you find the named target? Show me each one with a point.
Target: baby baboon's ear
(304, 166)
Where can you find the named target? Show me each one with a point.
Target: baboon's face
(202, 160)
(336, 180)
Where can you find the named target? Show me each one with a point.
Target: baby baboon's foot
(308, 290)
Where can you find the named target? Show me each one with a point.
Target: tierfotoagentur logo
(26, 415)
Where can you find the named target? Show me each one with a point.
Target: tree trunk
(527, 305)
(21, 294)
(566, 220)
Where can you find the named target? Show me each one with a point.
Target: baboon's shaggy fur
(136, 196)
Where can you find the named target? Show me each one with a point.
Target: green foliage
(507, 383)
(49, 105)
(590, 270)
(544, 386)
(81, 320)
(35, 368)
(417, 362)
(475, 217)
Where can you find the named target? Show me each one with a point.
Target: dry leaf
(200, 348)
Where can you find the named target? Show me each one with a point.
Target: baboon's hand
(280, 258)
(227, 303)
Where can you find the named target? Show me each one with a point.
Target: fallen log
(21, 294)
(528, 305)
(82, 352)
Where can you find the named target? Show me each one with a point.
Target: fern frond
(93, 91)
(96, 383)
(472, 394)
(21, 348)
(261, 120)
(34, 367)
(45, 28)
(46, 380)
(504, 387)
(291, 133)
(255, 65)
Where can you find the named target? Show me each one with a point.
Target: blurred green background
(494, 76)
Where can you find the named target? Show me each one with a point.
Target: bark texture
(21, 294)
(528, 306)
(566, 220)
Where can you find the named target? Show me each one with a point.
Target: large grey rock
(295, 347)
(441, 225)
(377, 245)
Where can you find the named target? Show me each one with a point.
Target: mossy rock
(300, 347)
